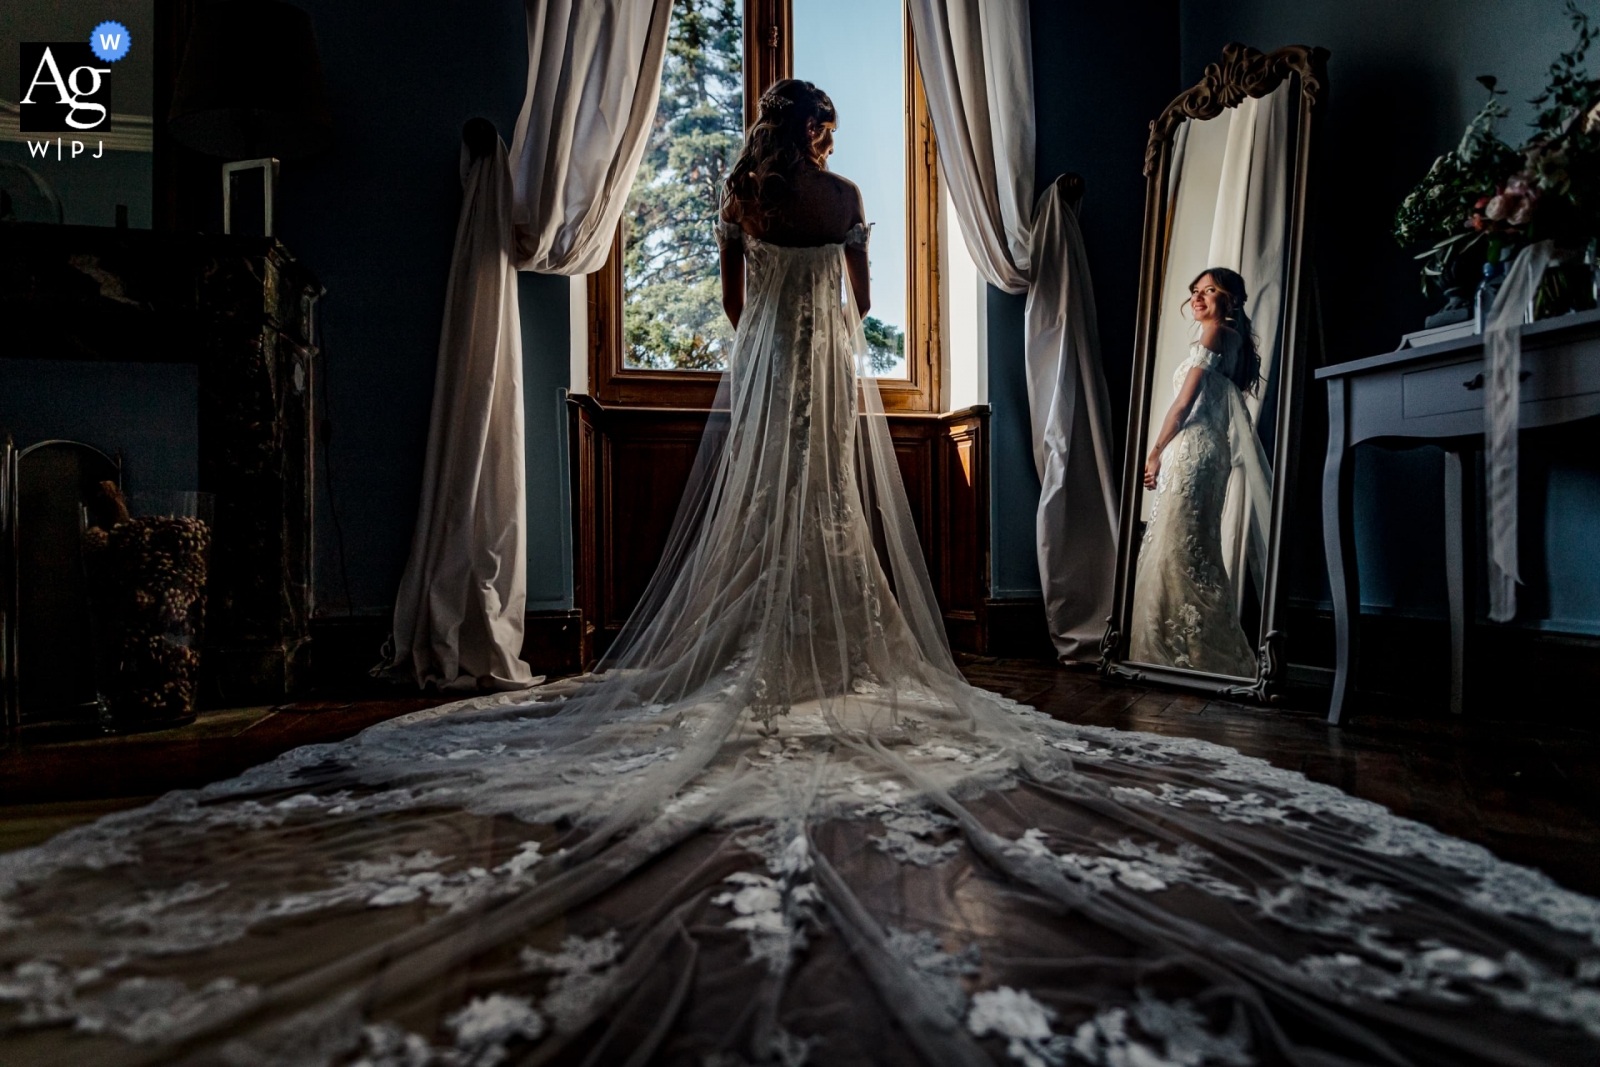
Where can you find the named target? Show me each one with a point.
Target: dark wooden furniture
(1434, 394)
(240, 308)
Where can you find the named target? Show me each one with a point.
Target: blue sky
(854, 50)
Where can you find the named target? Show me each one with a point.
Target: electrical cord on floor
(325, 429)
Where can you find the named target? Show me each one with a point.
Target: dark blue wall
(1402, 87)
(149, 412)
(545, 373)
(1013, 483)
(1101, 73)
(375, 218)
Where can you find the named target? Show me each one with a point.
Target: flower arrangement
(1485, 199)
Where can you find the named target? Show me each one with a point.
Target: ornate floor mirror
(1219, 365)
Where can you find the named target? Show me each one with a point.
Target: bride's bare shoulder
(839, 182)
(845, 190)
(845, 207)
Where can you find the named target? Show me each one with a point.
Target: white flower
(1023, 1021)
(487, 1023)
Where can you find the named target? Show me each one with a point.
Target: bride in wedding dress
(777, 826)
(1184, 611)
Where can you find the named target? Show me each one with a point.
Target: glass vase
(148, 574)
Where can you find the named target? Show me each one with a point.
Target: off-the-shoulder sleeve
(729, 234)
(857, 235)
(1199, 356)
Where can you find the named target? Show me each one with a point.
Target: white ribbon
(1502, 371)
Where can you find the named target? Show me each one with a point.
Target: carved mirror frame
(1243, 72)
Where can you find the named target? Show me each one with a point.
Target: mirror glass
(1205, 476)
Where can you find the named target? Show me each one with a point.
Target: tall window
(658, 335)
(672, 296)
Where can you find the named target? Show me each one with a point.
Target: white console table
(1435, 394)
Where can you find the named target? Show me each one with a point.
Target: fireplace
(239, 310)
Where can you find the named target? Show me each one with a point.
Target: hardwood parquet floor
(1524, 781)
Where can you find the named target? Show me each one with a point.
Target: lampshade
(251, 83)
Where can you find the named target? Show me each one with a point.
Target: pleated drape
(550, 205)
(975, 58)
(458, 616)
(594, 75)
(1076, 521)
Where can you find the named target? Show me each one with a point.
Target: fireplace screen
(48, 491)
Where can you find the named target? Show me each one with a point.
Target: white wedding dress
(1185, 612)
(779, 827)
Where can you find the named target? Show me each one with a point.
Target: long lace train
(779, 827)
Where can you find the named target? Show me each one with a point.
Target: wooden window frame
(768, 57)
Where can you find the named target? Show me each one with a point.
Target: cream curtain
(594, 73)
(975, 57)
(550, 205)
(1248, 234)
(1076, 521)
(458, 617)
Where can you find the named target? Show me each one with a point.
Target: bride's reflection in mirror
(1219, 366)
(1187, 599)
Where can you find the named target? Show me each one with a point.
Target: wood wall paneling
(586, 493)
(962, 568)
(647, 464)
(630, 466)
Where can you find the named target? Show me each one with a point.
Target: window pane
(855, 51)
(672, 298)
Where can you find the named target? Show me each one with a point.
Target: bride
(1184, 610)
(778, 826)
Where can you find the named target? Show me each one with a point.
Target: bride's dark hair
(1247, 372)
(777, 146)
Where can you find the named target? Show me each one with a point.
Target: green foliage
(1570, 92)
(672, 312)
(886, 344)
(1486, 198)
(1441, 208)
(1563, 159)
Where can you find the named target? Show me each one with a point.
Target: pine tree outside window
(672, 311)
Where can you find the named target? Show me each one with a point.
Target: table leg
(1338, 544)
(1458, 485)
